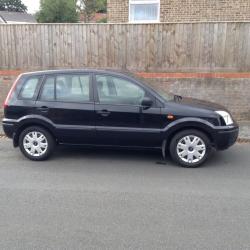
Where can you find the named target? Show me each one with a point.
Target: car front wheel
(190, 148)
(36, 143)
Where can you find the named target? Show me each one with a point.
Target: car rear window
(29, 88)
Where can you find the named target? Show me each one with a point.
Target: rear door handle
(104, 113)
(43, 109)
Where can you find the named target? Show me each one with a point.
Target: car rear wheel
(36, 143)
(190, 148)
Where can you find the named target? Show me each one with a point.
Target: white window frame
(131, 2)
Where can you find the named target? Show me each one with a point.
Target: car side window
(73, 88)
(29, 88)
(48, 90)
(67, 88)
(115, 90)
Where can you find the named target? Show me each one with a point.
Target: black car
(106, 108)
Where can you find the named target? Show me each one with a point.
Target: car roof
(86, 70)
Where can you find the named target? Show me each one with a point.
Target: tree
(102, 6)
(12, 5)
(89, 7)
(57, 11)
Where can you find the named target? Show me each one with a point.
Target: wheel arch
(202, 127)
(30, 123)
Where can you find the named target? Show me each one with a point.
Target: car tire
(190, 148)
(36, 143)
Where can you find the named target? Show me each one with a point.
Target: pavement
(245, 130)
(101, 199)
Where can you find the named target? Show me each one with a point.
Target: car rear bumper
(226, 137)
(8, 127)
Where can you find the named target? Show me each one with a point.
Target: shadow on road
(236, 157)
(75, 152)
(217, 159)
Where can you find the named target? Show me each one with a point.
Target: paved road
(85, 199)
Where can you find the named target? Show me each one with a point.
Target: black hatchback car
(106, 108)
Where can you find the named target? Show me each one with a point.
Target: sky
(33, 5)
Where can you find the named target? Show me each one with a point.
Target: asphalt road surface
(101, 199)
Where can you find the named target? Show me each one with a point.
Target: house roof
(96, 17)
(16, 17)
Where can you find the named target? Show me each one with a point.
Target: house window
(144, 11)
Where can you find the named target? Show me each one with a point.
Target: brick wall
(188, 10)
(118, 11)
(204, 10)
(232, 93)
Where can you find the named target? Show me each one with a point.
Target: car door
(120, 118)
(67, 101)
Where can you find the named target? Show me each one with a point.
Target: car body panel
(115, 125)
(193, 102)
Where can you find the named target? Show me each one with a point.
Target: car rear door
(67, 101)
(120, 118)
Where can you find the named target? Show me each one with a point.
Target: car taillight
(6, 102)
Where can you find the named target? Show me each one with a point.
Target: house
(96, 18)
(155, 11)
(16, 17)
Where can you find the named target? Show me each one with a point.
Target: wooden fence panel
(162, 47)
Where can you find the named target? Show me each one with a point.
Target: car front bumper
(226, 137)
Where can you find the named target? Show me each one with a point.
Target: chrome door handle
(43, 109)
(104, 113)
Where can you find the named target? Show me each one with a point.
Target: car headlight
(226, 117)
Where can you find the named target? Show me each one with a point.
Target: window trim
(45, 77)
(136, 2)
(91, 90)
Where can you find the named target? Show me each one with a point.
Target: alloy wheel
(191, 149)
(35, 143)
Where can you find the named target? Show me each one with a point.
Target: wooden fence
(193, 47)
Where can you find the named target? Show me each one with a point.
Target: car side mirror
(147, 103)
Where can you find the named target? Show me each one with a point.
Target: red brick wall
(188, 10)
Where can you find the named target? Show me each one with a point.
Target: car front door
(67, 101)
(120, 118)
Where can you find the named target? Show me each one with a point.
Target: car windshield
(166, 96)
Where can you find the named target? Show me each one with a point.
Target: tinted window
(73, 88)
(48, 93)
(29, 88)
(69, 88)
(113, 90)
